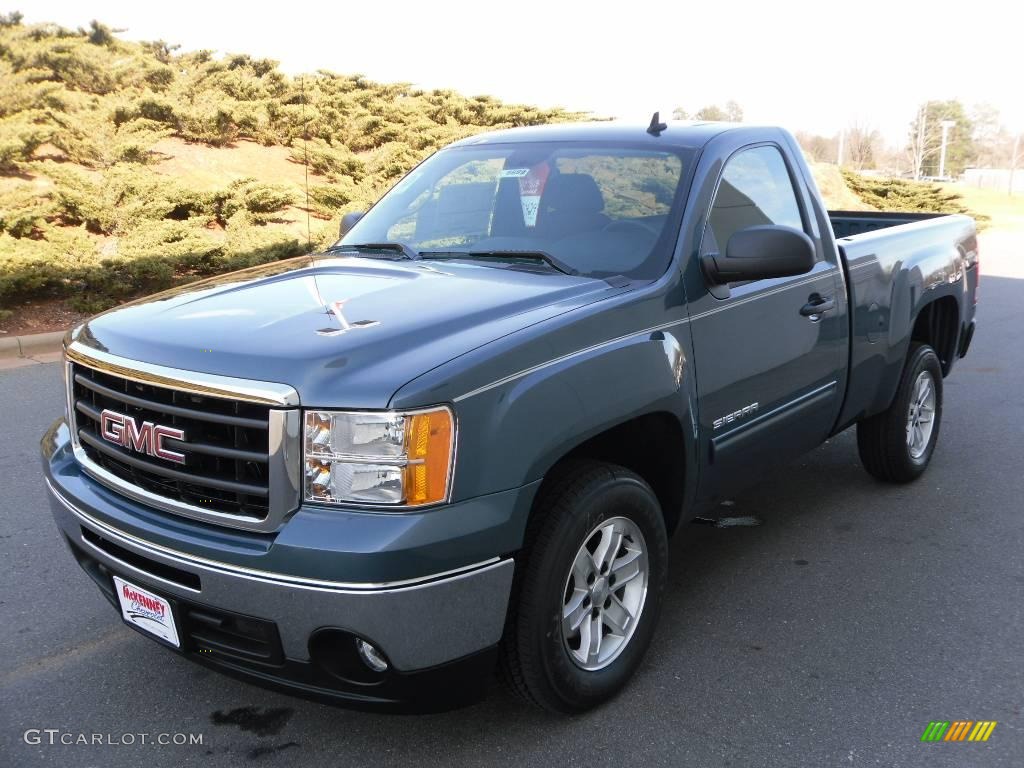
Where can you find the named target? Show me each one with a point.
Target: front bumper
(438, 632)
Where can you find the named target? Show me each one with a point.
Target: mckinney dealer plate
(147, 611)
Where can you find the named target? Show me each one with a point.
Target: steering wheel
(622, 225)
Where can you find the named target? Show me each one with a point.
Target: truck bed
(893, 262)
(847, 223)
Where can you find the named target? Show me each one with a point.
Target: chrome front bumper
(418, 623)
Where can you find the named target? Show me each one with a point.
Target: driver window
(755, 189)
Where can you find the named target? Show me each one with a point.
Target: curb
(30, 345)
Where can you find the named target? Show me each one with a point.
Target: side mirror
(348, 221)
(760, 252)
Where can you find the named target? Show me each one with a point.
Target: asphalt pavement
(829, 635)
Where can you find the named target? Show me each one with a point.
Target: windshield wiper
(544, 256)
(401, 248)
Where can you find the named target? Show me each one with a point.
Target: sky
(816, 66)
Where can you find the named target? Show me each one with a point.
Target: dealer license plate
(147, 611)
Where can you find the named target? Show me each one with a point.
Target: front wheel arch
(652, 445)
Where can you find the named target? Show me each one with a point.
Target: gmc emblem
(149, 438)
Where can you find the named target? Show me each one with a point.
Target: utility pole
(839, 154)
(946, 125)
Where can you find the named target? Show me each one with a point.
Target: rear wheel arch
(884, 440)
(938, 325)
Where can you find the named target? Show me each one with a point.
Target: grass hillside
(126, 168)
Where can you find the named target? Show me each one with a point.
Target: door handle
(817, 305)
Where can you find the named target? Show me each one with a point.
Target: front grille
(226, 442)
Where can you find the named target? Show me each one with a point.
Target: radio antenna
(656, 126)
(305, 159)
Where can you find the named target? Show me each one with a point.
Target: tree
(733, 111)
(162, 50)
(862, 143)
(101, 34)
(820, 149)
(993, 143)
(730, 113)
(711, 112)
(919, 147)
(926, 138)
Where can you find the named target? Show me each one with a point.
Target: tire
(885, 442)
(589, 503)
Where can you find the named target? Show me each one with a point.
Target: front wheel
(897, 444)
(588, 588)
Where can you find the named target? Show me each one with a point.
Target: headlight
(379, 457)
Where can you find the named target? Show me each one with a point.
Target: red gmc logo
(149, 438)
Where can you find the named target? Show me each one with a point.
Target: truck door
(768, 353)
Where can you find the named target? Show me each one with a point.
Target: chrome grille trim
(285, 480)
(283, 430)
(209, 384)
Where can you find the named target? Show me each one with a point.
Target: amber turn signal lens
(428, 442)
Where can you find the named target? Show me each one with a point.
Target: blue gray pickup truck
(460, 438)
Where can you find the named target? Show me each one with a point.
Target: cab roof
(678, 133)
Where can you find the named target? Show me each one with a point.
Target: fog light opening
(371, 656)
(348, 657)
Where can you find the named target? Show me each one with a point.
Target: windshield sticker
(514, 173)
(531, 206)
(531, 187)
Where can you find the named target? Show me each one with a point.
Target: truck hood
(345, 332)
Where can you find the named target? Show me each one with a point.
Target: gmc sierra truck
(461, 437)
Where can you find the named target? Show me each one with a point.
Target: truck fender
(514, 432)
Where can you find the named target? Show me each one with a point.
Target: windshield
(596, 210)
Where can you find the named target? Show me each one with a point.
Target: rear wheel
(588, 588)
(897, 444)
